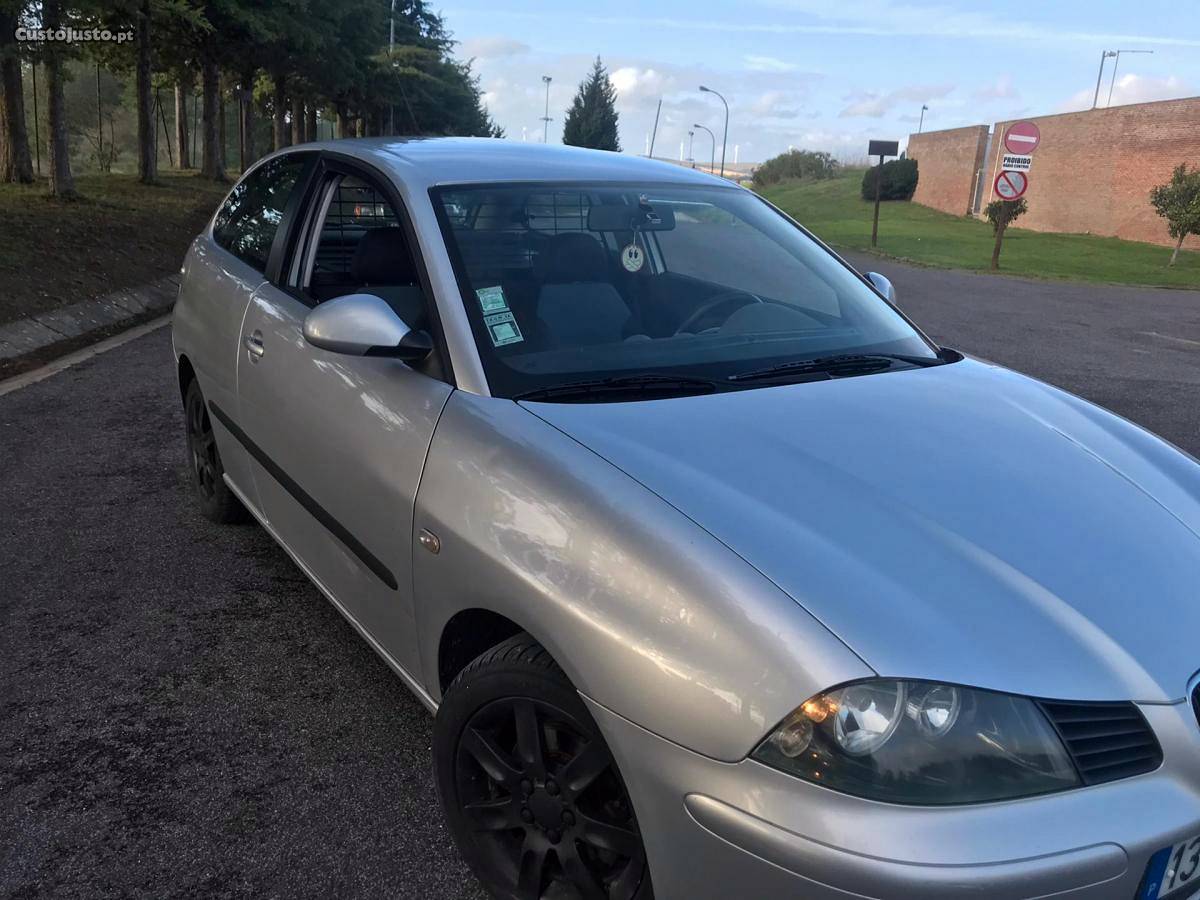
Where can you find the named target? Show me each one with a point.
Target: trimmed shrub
(899, 180)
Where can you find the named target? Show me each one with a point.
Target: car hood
(961, 523)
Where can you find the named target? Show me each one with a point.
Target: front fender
(646, 612)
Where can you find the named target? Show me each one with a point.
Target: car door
(340, 441)
(223, 269)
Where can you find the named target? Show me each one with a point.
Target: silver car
(722, 579)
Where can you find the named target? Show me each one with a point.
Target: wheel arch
(465, 636)
(187, 374)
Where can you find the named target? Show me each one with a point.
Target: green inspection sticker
(491, 299)
(503, 329)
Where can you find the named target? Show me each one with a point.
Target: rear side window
(247, 223)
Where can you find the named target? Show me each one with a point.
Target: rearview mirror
(364, 325)
(883, 285)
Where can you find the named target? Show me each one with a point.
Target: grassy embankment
(120, 234)
(835, 211)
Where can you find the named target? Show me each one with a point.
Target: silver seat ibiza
(721, 578)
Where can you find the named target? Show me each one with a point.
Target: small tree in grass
(1002, 213)
(1178, 201)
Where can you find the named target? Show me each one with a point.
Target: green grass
(836, 213)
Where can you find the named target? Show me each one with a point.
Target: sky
(820, 75)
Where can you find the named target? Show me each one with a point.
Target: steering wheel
(722, 299)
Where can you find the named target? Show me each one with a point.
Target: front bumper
(715, 829)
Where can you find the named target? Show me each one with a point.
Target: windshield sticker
(632, 258)
(491, 299)
(502, 328)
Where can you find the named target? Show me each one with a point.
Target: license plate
(1173, 873)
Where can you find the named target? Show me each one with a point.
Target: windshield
(569, 283)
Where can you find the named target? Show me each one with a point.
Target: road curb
(72, 325)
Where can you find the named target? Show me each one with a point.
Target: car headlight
(920, 742)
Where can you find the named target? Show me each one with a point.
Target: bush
(811, 164)
(899, 180)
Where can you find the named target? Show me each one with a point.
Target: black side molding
(318, 512)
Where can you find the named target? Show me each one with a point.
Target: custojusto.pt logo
(65, 35)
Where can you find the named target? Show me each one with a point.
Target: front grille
(1107, 741)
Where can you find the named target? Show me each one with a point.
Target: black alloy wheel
(216, 500)
(531, 790)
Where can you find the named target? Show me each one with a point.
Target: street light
(713, 164)
(1103, 56)
(725, 137)
(921, 124)
(1117, 62)
(691, 141)
(546, 117)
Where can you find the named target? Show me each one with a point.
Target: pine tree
(592, 119)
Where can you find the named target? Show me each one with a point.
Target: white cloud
(883, 19)
(493, 47)
(769, 64)
(1130, 88)
(1000, 89)
(876, 106)
(635, 85)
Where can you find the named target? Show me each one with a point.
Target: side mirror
(883, 285)
(364, 325)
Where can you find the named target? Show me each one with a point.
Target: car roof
(425, 162)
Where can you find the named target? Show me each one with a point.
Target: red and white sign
(1011, 185)
(1022, 138)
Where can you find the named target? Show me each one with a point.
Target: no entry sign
(1022, 138)
(1011, 185)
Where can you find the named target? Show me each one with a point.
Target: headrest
(382, 257)
(571, 257)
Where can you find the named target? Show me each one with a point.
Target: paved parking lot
(182, 713)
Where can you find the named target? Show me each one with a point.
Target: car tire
(213, 495)
(530, 789)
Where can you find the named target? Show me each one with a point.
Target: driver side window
(361, 248)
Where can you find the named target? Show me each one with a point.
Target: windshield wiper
(649, 385)
(836, 366)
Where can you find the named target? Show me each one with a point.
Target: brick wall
(1092, 172)
(946, 163)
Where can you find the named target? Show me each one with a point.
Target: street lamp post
(1105, 54)
(1117, 62)
(546, 116)
(725, 136)
(691, 141)
(713, 164)
(921, 124)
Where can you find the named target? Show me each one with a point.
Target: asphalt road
(182, 713)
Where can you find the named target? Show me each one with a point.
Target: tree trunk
(310, 122)
(212, 165)
(298, 120)
(146, 126)
(280, 104)
(996, 246)
(183, 88)
(360, 126)
(1175, 252)
(62, 183)
(222, 126)
(247, 121)
(15, 161)
(343, 121)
